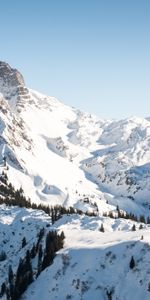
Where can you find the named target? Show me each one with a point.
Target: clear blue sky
(91, 54)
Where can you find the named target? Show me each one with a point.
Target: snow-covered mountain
(60, 155)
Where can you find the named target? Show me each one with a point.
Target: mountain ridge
(104, 154)
(62, 157)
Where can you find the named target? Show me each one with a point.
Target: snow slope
(60, 155)
(16, 223)
(93, 263)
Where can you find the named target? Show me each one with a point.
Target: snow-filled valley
(61, 156)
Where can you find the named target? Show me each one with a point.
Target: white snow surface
(91, 263)
(60, 155)
(48, 144)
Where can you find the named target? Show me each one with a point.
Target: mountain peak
(11, 77)
(12, 85)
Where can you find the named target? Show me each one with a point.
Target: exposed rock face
(12, 86)
(13, 95)
(10, 77)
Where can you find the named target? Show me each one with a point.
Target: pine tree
(11, 290)
(133, 228)
(24, 276)
(24, 242)
(3, 289)
(10, 275)
(48, 257)
(141, 226)
(142, 219)
(62, 235)
(102, 228)
(132, 263)
(109, 293)
(7, 293)
(40, 235)
(33, 252)
(148, 220)
(28, 268)
(3, 255)
(118, 210)
(40, 254)
(52, 215)
(19, 271)
(110, 214)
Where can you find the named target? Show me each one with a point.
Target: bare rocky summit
(12, 85)
(9, 76)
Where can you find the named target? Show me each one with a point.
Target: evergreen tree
(28, 268)
(132, 263)
(48, 257)
(133, 228)
(24, 276)
(102, 228)
(40, 254)
(7, 293)
(62, 235)
(10, 275)
(3, 255)
(24, 242)
(19, 270)
(109, 295)
(110, 214)
(141, 226)
(11, 291)
(33, 251)
(3, 289)
(118, 210)
(148, 220)
(142, 219)
(41, 234)
(4, 161)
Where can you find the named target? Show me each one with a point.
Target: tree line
(128, 216)
(11, 196)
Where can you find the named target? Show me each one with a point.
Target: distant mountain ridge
(49, 144)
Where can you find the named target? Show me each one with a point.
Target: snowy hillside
(62, 156)
(92, 264)
(96, 265)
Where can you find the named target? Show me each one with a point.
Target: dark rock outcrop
(10, 77)
(12, 86)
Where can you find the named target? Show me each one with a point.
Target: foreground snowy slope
(92, 263)
(96, 265)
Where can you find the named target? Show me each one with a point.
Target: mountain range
(59, 155)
